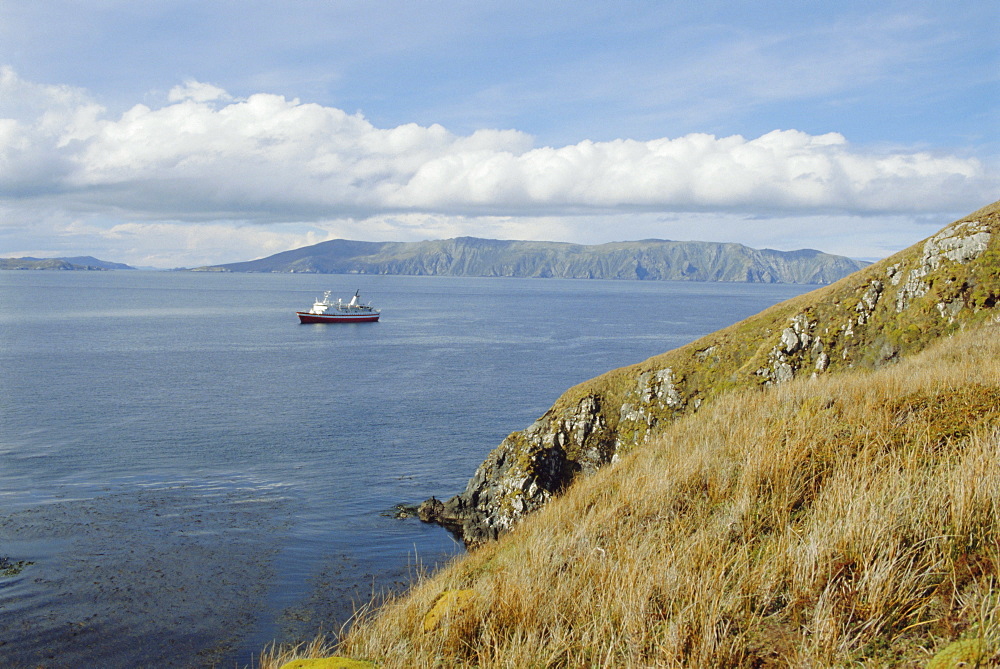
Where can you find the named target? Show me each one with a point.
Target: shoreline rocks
(525, 471)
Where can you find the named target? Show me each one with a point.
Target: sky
(183, 133)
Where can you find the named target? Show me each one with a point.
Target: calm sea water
(195, 474)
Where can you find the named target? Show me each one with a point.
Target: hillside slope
(644, 260)
(878, 315)
(79, 263)
(846, 520)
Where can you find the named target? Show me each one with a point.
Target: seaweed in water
(8, 568)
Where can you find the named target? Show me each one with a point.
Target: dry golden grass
(843, 521)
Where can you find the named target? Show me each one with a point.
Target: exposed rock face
(524, 471)
(893, 308)
(655, 395)
(958, 243)
(887, 312)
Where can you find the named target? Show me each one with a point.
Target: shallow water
(195, 474)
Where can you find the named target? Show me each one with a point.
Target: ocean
(194, 474)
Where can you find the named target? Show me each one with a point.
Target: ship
(325, 311)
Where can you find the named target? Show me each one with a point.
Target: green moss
(965, 653)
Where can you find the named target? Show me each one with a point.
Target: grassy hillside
(826, 522)
(816, 486)
(876, 316)
(76, 263)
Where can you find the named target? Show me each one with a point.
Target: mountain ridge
(474, 256)
(75, 263)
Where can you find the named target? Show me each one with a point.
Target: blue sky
(185, 133)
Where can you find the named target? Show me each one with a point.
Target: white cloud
(206, 158)
(38, 123)
(197, 91)
(170, 244)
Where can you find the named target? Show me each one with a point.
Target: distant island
(650, 259)
(79, 263)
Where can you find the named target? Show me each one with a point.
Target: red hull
(323, 318)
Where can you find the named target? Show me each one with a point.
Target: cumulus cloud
(197, 91)
(38, 123)
(204, 155)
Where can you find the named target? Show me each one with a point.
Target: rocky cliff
(643, 260)
(892, 308)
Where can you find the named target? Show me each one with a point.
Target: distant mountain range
(650, 259)
(77, 263)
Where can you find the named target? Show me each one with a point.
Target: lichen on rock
(657, 395)
(959, 243)
(794, 348)
(524, 471)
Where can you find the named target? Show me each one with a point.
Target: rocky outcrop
(525, 471)
(893, 308)
(958, 243)
(891, 315)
